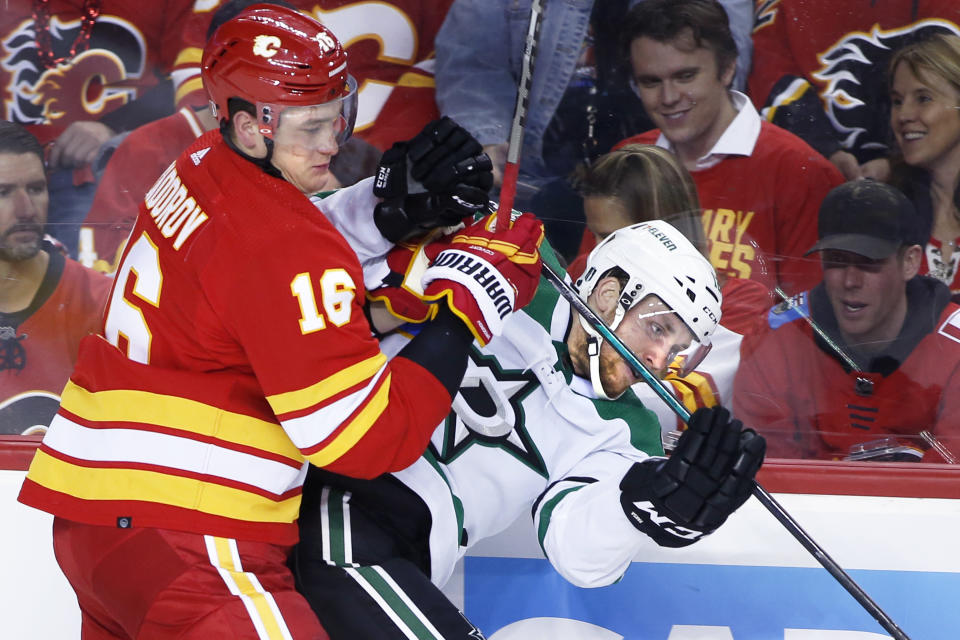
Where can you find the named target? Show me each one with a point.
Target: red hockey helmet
(278, 58)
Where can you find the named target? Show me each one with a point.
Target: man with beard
(47, 301)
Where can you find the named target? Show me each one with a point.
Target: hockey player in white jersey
(545, 422)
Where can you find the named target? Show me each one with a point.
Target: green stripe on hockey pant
(395, 603)
(360, 576)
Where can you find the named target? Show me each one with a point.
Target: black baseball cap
(866, 217)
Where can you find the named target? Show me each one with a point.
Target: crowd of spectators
(750, 118)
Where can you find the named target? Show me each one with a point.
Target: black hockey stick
(508, 187)
(660, 387)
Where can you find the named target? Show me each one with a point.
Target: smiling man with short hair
(759, 185)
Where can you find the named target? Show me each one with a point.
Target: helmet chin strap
(594, 342)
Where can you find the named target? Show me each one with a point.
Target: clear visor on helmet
(670, 339)
(690, 358)
(322, 127)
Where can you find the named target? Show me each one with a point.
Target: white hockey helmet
(658, 260)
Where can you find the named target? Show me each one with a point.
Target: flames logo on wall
(92, 82)
(853, 79)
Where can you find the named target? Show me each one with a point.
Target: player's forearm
(423, 378)
(588, 539)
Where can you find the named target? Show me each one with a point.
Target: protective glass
(308, 128)
(682, 361)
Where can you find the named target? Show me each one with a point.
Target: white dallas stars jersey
(526, 433)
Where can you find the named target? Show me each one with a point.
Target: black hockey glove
(436, 179)
(708, 476)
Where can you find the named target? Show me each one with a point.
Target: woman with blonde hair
(925, 119)
(636, 183)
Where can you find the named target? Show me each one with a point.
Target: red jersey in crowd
(808, 404)
(131, 46)
(390, 53)
(39, 345)
(235, 350)
(760, 203)
(133, 168)
(820, 66)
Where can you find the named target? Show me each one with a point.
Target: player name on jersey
(172, 208)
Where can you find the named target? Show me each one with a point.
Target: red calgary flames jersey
(131, 46)
(40, 344)
(235, 349)
(808, 405)
(760, 211)
(820, 66)
(389, 51)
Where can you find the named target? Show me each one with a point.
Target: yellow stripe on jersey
(799, 87)
(353, 375)
(188, 87)
(356, 429)
(189, 56)
(181, 414)
(92, 483)
(416, 80)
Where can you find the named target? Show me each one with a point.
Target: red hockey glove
(486, 275)
(402, 289)
(708, 476)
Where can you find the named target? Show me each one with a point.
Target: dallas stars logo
(488, 412)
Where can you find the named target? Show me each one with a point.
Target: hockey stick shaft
(853, 366)
(511, 171)
(767, 500)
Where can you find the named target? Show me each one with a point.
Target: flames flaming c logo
(853, 79)
(85, 86)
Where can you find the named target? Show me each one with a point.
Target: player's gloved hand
(436, 179)
(484, 275)
(402, 290)
(708, 476)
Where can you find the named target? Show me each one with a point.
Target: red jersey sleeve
(773, 59)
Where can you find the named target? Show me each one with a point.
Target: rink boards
(752, 580)
(896, 536)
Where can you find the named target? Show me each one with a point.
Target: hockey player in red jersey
(235, 349)
(390, 45)
(888, 361)
(48, 302)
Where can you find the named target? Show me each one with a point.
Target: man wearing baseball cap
(869, 358)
